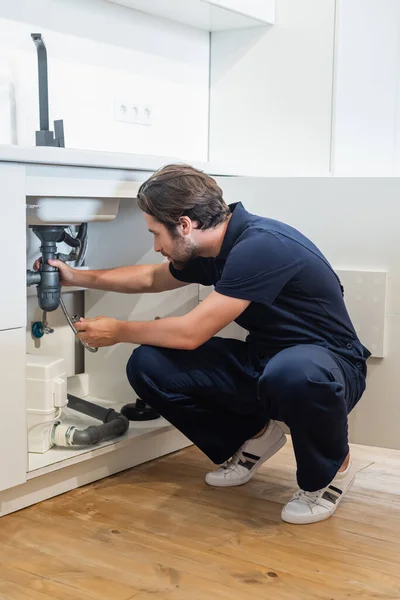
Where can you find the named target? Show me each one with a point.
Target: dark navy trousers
(223, 393)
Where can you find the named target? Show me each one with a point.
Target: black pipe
(48, 279)
(95, 434)
(83, 238)
(114, 424)
(72, 242)
(89, 408)
(82, 231)
(32, 277)
(49, 287)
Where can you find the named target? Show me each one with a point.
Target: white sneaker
(251, 455)
(311, 507)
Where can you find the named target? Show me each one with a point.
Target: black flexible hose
(89, 408)
(72, 242)
(83, 238)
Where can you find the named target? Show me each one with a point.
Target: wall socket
(129, 112)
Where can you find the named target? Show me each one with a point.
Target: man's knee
(284, 373)
(292, 380)
(143, 365)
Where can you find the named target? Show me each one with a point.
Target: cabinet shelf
(209, 15)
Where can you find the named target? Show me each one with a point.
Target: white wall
(367, 79)
(355, 222)
(271, 92)
(98, 52)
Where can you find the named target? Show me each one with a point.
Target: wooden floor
(158, 532)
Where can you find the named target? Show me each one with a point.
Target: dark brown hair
(181, 190)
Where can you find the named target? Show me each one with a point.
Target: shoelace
(233, 462)
(308, 497)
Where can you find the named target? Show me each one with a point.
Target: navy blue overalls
(302, 362)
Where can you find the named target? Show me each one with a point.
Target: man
(301, 364)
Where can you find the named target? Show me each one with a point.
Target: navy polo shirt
(295, 296)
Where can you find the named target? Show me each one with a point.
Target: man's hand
(98, 332)
(67, 274)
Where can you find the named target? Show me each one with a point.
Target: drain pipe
(114, 424)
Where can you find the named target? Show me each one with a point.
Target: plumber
(302, 363)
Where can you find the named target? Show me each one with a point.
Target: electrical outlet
(138, 114)
(145, 115)
(121, 110)
(133, 113)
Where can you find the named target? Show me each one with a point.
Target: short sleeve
(258, 268)
(195, 271)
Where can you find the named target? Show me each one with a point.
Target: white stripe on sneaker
(311, 507)
(245, 462)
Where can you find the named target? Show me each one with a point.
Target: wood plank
(17, 582)
(59, 578)
(157, 531)
(353, 549)
(174, 570)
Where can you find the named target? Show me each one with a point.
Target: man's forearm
(172, 332)
(129, 280)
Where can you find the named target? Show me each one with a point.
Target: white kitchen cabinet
(258, 9)
(211, 15)
(26, 174)
(13, 251)
(13, 437)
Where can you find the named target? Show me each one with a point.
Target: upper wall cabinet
(261, 10)
(211, 15)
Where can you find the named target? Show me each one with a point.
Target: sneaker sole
(318, 517)
(242, 480)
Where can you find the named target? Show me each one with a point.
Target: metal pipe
(45, 137)
(71, 324)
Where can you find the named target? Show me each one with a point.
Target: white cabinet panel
(13, 433)
(271, 92)
(375, 420)
(211, 15)
(13, 238)
(365, 294)
(259, 9)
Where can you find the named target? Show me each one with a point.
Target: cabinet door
(259, 9)
(13, 246)
(13, 432)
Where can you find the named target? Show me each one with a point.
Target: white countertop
(105, 160)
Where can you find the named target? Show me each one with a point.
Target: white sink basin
(70, 211)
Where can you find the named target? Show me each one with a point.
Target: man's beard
(183, 253)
